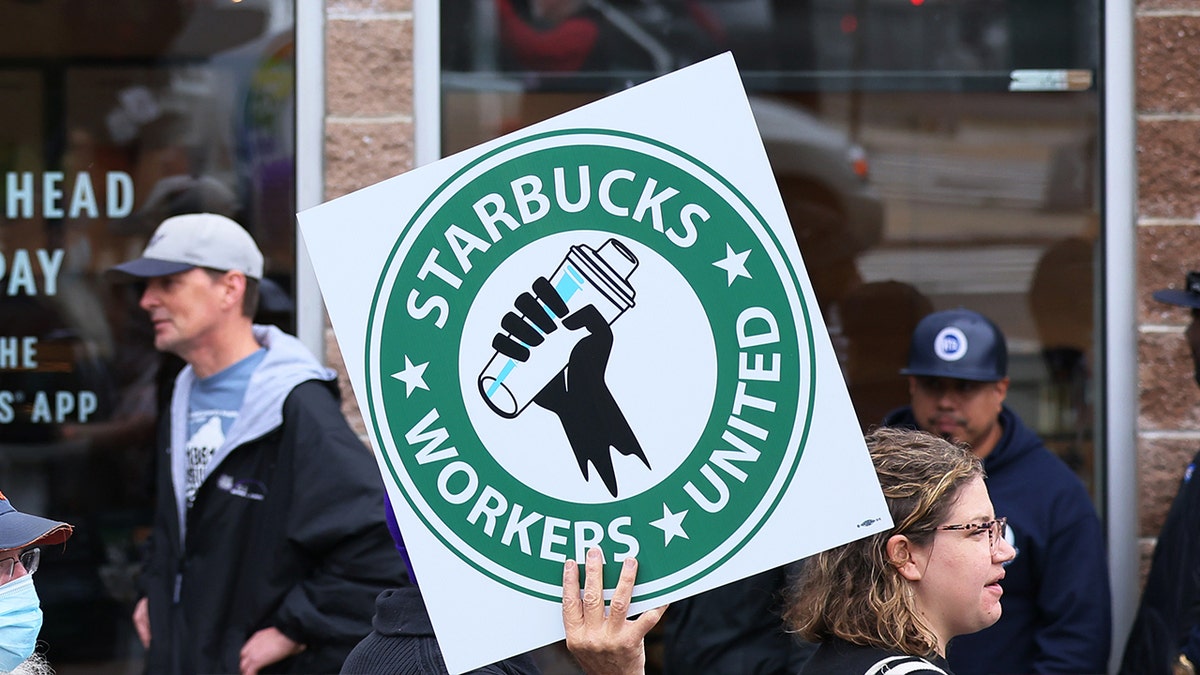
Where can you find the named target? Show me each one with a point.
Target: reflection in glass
(114, 115)
(915, 180)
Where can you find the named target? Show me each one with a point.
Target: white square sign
(596, 331)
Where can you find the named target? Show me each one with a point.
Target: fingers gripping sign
(605, 643)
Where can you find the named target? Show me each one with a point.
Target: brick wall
(368, 111)
(1168, 240)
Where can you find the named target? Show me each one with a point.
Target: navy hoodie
(1057, 610)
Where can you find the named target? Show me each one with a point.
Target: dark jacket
(736, 629)
(403, 642)
(838, 657)
(1168, 619)
(1057, 611)
(287, 530)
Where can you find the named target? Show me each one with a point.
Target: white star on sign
(412, 376)
(671, 524)
(734, 264)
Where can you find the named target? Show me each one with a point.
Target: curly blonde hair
(854, 592)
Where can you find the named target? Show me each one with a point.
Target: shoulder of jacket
(315, 390)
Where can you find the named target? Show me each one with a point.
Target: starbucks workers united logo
(587, 338)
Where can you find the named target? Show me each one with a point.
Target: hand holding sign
(605, 644)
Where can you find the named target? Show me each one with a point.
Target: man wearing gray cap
(269, 543)
(20, 609)
(1057, 610)
(1165, 637)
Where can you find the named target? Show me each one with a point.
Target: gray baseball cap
(195, 240)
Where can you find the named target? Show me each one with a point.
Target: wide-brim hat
(21, 530)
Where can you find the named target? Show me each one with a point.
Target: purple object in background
(394, 528)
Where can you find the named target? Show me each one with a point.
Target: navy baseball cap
(1188, 296)
(959, 344)
(20, 530)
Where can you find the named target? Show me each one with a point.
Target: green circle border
(788, 264)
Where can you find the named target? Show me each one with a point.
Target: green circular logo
(588, 338)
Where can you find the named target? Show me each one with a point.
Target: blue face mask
(20, 621)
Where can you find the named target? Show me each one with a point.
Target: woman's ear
(900, 553)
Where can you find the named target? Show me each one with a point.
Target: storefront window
(932, 154)
(114, 115)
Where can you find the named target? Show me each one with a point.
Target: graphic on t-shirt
(563, 372)
(200, 448)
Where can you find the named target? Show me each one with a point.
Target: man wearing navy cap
(1165, 637)
(20, 609)
(269, 543)
(1057, 610)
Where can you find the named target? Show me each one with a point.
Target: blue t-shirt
(213, 407)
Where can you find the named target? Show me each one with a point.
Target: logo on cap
(950, 344)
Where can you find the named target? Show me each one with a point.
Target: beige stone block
(1168, 48)
(333, 357)
(1168, 397)
(1165, 254)
(367, 6)
(1167, 5)
(1161, 463)
(1168, 157)
(358, 154)
(368, 68)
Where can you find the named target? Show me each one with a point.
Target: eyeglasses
(29, 560)
(995, 529)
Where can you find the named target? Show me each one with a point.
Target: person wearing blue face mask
(20, 609)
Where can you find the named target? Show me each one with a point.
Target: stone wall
(368, 113)
(1168, 240)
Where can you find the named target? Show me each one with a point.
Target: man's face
(187, 309)
(962, 411)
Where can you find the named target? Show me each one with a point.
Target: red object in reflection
(562, 48)
(849, 23)
(917, 3)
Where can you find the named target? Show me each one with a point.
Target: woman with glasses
(889, 602)
(20, 609)
(898, 597)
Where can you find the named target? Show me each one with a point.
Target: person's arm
(265, 647)
(605, 643)
(1074, 634)
(336, 520)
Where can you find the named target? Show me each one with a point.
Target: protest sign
(596, 331)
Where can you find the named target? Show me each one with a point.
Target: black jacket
(287, 529)
(1168, 619)
(736, 629)
(403, 642)
(838, 657)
